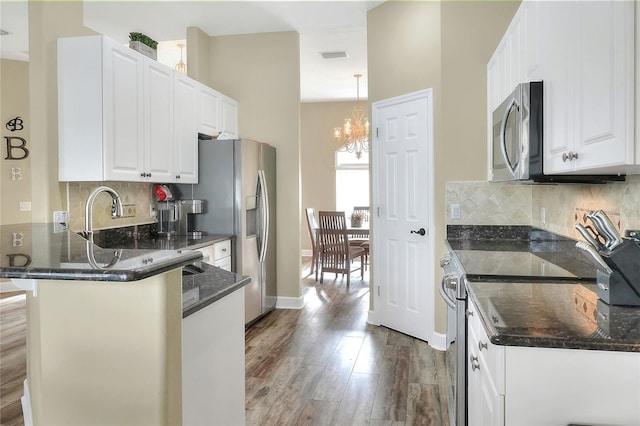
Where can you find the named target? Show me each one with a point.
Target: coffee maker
(186, 210)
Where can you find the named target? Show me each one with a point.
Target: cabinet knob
(573, 155)
(148, 174)
(482, 345)
(475, 365)
(565, 157)
(143, 174)
(469, 313)
(177, 176)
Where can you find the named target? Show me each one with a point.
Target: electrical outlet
(25, 206)
(455, 211)
(60, 220)
(152, 212)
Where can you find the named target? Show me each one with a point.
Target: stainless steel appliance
(517, 135)
(237, 181)
(518, 148)
(186, 219)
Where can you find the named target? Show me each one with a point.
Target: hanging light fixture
(181, 66)
(354, 133)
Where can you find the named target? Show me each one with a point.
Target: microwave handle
(503, 130)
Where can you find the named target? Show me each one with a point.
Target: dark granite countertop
(518, 252)
(554, 315)
(38, 251)
(534, 288)
(146, 237)
(201, 290)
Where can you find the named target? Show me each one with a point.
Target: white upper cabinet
(125, 117)
(186, 129)
(229, 116)
(217, 113)
(209, 110)
(584, 52)
(158, 110)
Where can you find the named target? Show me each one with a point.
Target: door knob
(420, 231)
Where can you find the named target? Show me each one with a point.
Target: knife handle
(588, 237)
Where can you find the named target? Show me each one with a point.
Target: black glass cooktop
(509, 264)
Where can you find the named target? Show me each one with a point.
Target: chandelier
(181, 66)
(354, 133)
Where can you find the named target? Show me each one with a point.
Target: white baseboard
(25, 401)
(372, 318)
(307, 253)
(290, 302)
(438, 341)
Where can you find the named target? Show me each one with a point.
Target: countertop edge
(245, 280)
(505, 339)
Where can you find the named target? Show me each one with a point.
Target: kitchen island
(105, 326)
(541, 347)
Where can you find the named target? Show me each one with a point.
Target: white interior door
(403, 182)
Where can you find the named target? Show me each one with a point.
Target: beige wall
(262, 72)
(14, 102)
(444, 46)
(47, 22)
(199, 56)
(317, 157)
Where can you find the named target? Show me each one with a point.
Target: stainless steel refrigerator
(237, 181)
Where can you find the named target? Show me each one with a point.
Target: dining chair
(362, 241)
(313, 225)
(336, 255)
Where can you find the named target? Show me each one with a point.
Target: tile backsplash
(487, 203)
(137, 199)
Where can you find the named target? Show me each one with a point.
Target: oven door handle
(449, 301)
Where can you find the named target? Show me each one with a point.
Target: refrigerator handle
(264, 206)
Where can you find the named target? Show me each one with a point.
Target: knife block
(622, 286)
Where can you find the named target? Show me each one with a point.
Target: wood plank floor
(324, 365)
(13, 358)
(321, 365)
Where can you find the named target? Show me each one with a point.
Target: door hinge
(378, 211)
(378, 291)
(377, 132)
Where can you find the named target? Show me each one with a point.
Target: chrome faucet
(116, 208)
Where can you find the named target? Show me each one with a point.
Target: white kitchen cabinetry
(213, 376)
(485, 366)
(589, 87)
(158, 120)
(584, 54)
(218, 254)
(186, 129)
(125, 117)
(209, 110)
(115, 113)
(229, 116)
(514, 385)
(100, 110)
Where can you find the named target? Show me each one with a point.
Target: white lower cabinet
(213, 365)
(515, 385)
(218, 254)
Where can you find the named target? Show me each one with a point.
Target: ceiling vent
(334, 55)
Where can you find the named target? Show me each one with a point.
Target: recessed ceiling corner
(334, 55)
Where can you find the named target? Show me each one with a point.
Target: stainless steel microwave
(517, 135)
(518, 145)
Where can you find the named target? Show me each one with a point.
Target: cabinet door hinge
(377, 132)
(378, 290)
